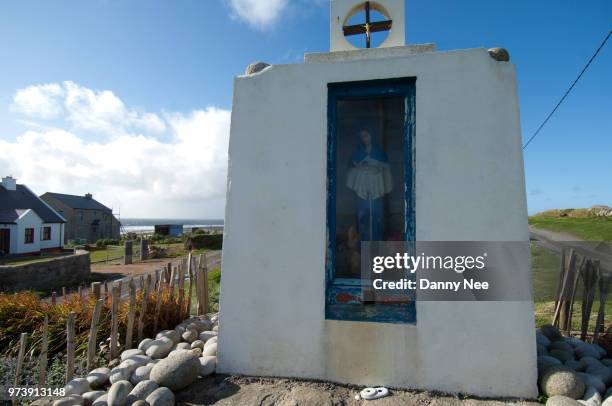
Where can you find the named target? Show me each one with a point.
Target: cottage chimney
(88, 196)
(9, 183)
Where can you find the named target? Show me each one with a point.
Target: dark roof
(78, 202)
(13, 203)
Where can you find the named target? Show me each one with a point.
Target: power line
(568, 90)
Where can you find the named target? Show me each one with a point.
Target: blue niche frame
(354, 309)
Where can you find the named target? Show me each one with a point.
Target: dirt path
(231, 390)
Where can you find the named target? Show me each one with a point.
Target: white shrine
(436, 138)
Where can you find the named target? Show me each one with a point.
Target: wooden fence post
(93, 332)
(114, 323)
(64, 294)
(44, 348)
(70, 334)
(590, 277)
(202, 286)
(53, 298)
(604, 286)
(131, 315)
(181, 293)
(22, 347)
(143, 310)
(96, 290)
(158, 302)
(191, 275)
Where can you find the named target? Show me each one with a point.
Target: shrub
(103, 242)
(203, 241)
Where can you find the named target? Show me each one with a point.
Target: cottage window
(29, 236)
(46, 233)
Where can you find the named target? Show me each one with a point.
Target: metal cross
(368, 28)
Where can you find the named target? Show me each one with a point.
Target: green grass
(546, 266)
(214, 286)
(585, 228)
(112, 252)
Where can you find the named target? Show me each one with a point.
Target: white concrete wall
(27, 220)
(13, 242)
(57, 236)
(469, 186)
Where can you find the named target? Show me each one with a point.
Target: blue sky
(126, 81)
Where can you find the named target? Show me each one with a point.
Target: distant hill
(595, 211)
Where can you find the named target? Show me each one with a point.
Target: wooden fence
(576, 268)
(191, 270)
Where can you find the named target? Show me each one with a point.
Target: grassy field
(546, 267)
(585, 228)
(115, 253)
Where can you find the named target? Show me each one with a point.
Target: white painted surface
(469, 186)
(29, 219)
(342, 10)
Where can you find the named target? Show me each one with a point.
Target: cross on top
(368, 27)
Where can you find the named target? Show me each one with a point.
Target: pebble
(542, 339)
(592, 380)
(161, 397)
(183, 346)
(190, 335)
(98, 377)
(140, 403)
(551, 332)
(210, 350)
(198, 344)
(577, 366)
(101, 401)
(141, 374)
(587, 350)
(171, 334)
(141, 391)
(72, 400)
(562, 345)
(129, 353)
(562, 401)
(91, 396)
(607, 362)
(119, 374)
(77, 386)
(561, 355)
(160, 348)
(591, 397)
(144, 344)
(561, 380)
(118, 393)
(207, 335)
(208, 364)
(176, 372)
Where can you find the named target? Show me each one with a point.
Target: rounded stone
(160, 348)
(141, 374)
(545, 362)
(561, 380)
(607, 362)
(607, 402)
(101, 401)
(541, 350)
(587, 350)
(608, 393)
(573, 341)
(591, 396)
(561, 345)
(91, 396)
(176, 372)
(592, 380)
(72, 400)
(190, 335)
(118, 393)
(541, 339)
(77, 386)
(562, 401)
(183, 346)
(603, 373)
(210, 350)
(98, 377)
(161, 397)
(499, 54)
(575, 365)
(171, 334)
(561, 355)
(255, 67)
(197, 344)
(119, 374)
(141, 391)
(207, 335)
(591, 361)
(202, 325)
(129, 353)
(144, 344)
(208, 364)
(140, 403)
(216, 328)
(551, 332)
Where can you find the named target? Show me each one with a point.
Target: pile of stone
(572, 372)
(149, 374)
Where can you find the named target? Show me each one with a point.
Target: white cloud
(180, 175)
(260, 14)
(86, 109)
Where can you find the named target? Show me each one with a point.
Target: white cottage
(395, 143)
(27, 224)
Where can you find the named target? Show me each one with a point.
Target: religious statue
(369, 176)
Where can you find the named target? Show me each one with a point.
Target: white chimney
(9, 183)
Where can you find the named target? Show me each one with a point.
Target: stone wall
(45, 275)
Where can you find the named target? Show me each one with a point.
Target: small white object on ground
(374, 393)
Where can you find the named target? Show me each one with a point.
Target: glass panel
(369, 168)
